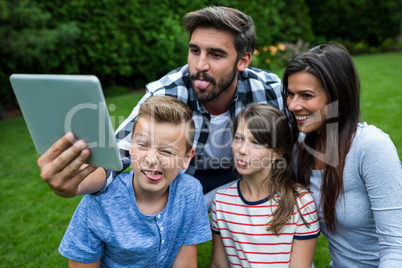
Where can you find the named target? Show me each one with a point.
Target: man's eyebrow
(210, 49)
(193, 46)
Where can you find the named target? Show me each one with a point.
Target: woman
(352, 168)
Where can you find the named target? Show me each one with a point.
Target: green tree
(369, 21)
(28, 42)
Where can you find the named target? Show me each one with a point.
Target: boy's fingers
(56, 149)
(55, 172)
(74, 164)
(71, 159)
(82, 174)
(70, 186)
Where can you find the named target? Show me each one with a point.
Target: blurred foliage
(361, 25)
(130, 43)
(29, 41)
(279, 55)
(124, 43)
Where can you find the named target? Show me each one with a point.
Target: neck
(150, 203)
(220, 104)
(254, 188)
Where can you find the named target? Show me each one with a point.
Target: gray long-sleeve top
(369, 214)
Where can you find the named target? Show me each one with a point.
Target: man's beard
(217, 89)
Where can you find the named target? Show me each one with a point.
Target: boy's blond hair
(166, 109)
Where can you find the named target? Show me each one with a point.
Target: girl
(353, 169)
(264, 219)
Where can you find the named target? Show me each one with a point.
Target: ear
(244, 62)
(277, 153)
(187, 158)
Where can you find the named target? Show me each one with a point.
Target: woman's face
(307, 100)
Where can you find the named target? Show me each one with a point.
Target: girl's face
(307, 100)
(251, 157)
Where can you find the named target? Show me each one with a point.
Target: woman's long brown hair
(333, 66)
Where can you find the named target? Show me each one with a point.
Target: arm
(302, 253)
(187, 257)
(219, 258)
(381, 172)
(76, 264)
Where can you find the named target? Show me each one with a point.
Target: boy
(153, 216)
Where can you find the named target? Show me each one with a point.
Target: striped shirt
(242, 226)
(253, 85)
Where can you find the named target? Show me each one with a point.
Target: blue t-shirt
(110, 227)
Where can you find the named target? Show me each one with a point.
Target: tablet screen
(52, 105)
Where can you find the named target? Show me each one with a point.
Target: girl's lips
(241, 163)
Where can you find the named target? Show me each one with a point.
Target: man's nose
(202, 63)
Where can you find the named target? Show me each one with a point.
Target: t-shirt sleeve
(80, 243)
(199, 228)
(214, 218)
(381, 172)
(310, 215)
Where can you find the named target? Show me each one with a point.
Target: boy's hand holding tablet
(57, 105)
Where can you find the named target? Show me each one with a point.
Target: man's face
(158, 152)
(212, 61)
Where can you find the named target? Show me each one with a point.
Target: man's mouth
(201, 84)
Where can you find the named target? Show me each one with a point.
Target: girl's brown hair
(269, 126)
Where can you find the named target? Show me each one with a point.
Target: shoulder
(259, 85)
(371, 138)
(304, 197)
(168, 84)
(260, 74)
(368, 132)
(117, 187)
(186, 186)
(228, 192)
(231, 189)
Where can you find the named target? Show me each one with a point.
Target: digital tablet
(53, 105)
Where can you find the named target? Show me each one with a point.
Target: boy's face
(158, 152)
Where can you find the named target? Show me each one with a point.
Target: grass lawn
(33, 219)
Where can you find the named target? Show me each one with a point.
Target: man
(217, 84)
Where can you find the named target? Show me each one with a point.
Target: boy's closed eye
(168, 152)
(140, 145)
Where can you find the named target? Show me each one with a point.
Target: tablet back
(55, 104)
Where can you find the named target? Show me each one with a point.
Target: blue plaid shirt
(253, 85)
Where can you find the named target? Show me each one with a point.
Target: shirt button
(163, 241)
(162, 228)
(159, 216)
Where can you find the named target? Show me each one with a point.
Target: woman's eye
(307, 96)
